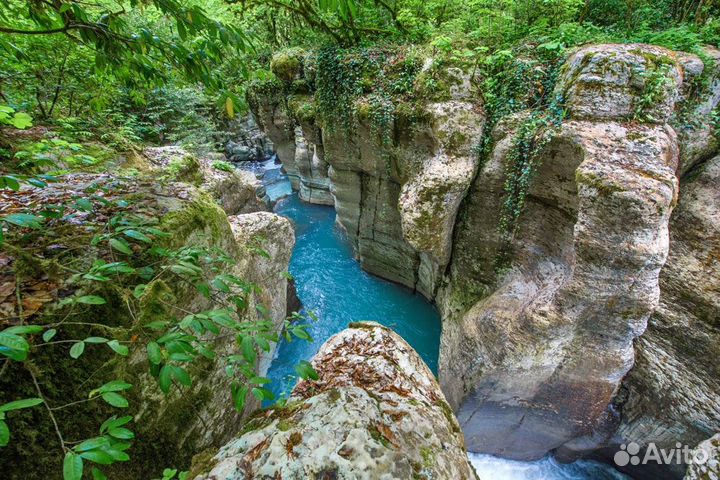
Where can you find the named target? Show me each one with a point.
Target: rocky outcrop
(396, 187)
(671, 394)
(250, 144)
(236, 191)
(536, 363)
(375, 412)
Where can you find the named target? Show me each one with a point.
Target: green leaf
(114, 386)
(96, 474)
(77, 349)
(134, 234)
(23, 220)
(154, 353)
(92, 444)
(96, 340)
(121, 246)
(72, 466)
(13, 341)
(306, 371)
(115, 399)
(24, 329)
(18, 404)
(139, 290)
(262, 393)
(165, 378)
(181, 376)
(248, 348)
(4, 434)
(114, 422)
(98, 456)
(91, 300)
(121, 433)
(21, 120)
(48, 335)
(118, 348)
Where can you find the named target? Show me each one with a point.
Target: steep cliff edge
(375, 412)
(396, 172)
(579, 315)
(538, 362)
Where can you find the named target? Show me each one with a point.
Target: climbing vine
(515, 82)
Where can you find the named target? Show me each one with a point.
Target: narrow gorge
(360, 240)
(553, 351)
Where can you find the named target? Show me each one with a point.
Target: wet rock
(376, 412)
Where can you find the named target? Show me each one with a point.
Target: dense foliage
(92, 81)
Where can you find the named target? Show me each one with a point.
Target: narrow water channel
(330, 282)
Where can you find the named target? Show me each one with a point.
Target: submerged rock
(376, 412)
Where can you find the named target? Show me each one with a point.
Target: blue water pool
(330, 282)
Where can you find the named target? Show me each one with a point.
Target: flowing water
(330, 282)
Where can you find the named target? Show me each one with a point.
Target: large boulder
(376, 412)
(236, 191)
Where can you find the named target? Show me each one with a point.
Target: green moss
(287, 64)
(185, 169)
(378, 437)
(602, 186)
(203, 463)
(203, 220)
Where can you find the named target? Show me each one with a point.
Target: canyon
(600, 328)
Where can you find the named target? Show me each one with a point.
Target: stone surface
(694, 123)
(673, 391)
(237, 191)
(610, 81)
(533, 356)
(396, 198)
(376, 412)
(706, 464)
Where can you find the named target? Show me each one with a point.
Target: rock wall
(602, 328)
(375, 412)
(397, 191)
(540, 356)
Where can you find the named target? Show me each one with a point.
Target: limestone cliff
(539, 360)
(586, 318)
(396, 180)
(375, 412)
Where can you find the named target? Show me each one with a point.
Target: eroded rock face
(376, 412)
(396, 192)
(671, 394)
(236, 191)
(536, 362)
